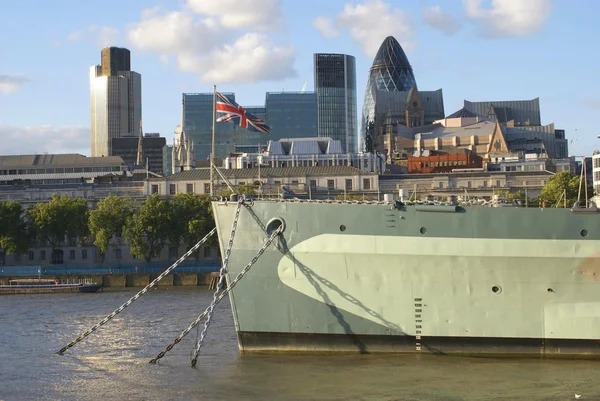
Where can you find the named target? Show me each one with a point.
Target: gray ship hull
(447, 280)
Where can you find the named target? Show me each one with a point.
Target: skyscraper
(392, 98)
(335, 86)
(115, 100)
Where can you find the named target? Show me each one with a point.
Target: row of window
(313, 184)
(173, 253)
(61, 170)
(31, 255)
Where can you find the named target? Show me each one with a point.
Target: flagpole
(212, 152)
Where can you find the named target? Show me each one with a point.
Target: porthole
(584, 233)
(342, 228)
(496, 289)
(423, 230)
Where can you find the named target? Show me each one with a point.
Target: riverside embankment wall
(133, 279)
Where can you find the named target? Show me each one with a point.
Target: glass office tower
(335, 87)
(390, 72)
(288, 114)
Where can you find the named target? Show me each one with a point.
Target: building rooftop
(268, 172)
(67, 159)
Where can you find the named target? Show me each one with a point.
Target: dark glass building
(152, 149)
(390, 72)
(288, 114)
(115, 59)
(335, 88)
(291, 114)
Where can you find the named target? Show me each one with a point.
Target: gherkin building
(390, 72)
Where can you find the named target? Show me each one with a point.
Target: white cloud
(255, 14)
(100, 35)
(247, 60)
(371, 21)
(444, 22)
(12, 83)
(509, 17)
(201, 43)
(44, 138)
(325, 26)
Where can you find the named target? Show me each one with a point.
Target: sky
(478, 50)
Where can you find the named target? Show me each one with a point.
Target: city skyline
(462, 47)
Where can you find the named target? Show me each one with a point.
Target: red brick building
(432, 161)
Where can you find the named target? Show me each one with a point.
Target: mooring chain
(221, 296)
(139, 294)
(222, 273)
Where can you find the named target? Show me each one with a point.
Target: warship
(392, 277)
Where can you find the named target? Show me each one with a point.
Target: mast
(212, 152)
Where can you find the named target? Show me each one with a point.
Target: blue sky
(473, 49)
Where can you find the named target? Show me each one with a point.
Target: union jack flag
(234, 111)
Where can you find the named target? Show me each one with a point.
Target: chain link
(221, 296)
(222, 273)
(139, 294)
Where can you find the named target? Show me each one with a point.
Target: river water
(112, 363)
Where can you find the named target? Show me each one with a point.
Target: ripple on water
(113, 362)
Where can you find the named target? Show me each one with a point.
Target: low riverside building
(476, 182)
(29, 179)
(431, 161)
(58, 169)
(321, 181)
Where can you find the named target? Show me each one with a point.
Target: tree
(148, 229)
(248, 189)
(61, 218)
(557, 184)
(349, 197)
(192, 220)
(108, 221)
(13, 229)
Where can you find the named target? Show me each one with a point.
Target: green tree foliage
(108, 220)
(349, 197)
(192, 219)
(149, 228)
(13, 228)
(557, 184)
(62, 218)
(248, 189)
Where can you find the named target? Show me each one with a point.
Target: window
(72, 254)
(42, 255)
(173, 252)
(206, 252)
(31, 255)
(348, 184)
(206, 188)
(17, 257)
(330, 184)
(84, 254)
(172, 189)
(313, 183)
(498, 183)
(366, 183)
(119, 253)
(242, 183)
(154, 189)
(189, 188)
(294, 182)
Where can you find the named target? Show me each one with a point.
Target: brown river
(112, 363)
